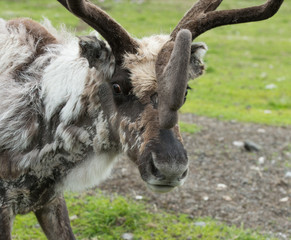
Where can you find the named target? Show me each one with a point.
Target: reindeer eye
(116, 88)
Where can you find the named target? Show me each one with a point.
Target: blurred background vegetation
(247, 79)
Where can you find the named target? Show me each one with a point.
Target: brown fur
(54, 220)
(9, 169)
(150, 122)
(177, 133)
(41, 38)
(41, 35)
(6, 220)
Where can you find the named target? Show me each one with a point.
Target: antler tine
(203, 17)
(117, 37)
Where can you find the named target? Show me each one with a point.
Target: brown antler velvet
(200, 18)
(172, 81)
(117, 37)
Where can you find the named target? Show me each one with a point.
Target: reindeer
(70, 106)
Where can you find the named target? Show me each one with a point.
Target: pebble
(127, 236)
(285, 199)
(200, 224)
(138, 197)
(227, 198)
(254, 168)
(251, 146)
(267, 111)
(221, 186)
(261, 130)
(271, 86)
(205, 198)
(261, 160)
(288, 174)
(74, 217)
(238, 143)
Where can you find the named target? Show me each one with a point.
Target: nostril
(183, 175)
(155, 171)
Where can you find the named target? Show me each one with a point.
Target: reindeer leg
(54, 220)
(6, 220)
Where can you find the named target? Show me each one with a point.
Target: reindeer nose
(171, 172)
(165, 164)
(165, 175)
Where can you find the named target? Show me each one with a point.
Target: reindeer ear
(91, 48)
(196, 66)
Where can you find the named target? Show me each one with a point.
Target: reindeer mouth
(160, 188)
(163, 186)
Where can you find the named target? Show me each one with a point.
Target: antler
(117, 37)
(202, 16)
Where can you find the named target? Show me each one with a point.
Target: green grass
(108, 218)
(189, 127)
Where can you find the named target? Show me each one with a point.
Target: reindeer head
(149, 84)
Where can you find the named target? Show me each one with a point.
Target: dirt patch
(225, 181)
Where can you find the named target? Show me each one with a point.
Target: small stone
(257, 169)
(200, 224)
(254, 168)
(138, 197)
(227, 198)
(238, 143)
(127, 236)
(281, 235)
(271, 86)
(261, 160)
(267, 111)
(251, 146)
(74, 217)
(205, 198)
(261, 130)
(285, 199)
(221, 186)
(288, 174)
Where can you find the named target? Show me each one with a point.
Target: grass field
(242, 61)
(96, 216)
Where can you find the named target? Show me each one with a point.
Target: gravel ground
(226, 181)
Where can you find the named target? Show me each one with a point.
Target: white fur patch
(63, 83)
(200, 53)
(89, 173)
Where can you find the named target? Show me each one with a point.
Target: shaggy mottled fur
(63, 123)
(42, 99)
